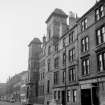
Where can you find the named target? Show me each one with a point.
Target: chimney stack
(44, 39)
(72, 19)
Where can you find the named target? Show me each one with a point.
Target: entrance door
(63, 98)
(86, 97)
(95, 96)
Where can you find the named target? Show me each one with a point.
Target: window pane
(104, 59)
(84, 67)
(87, 42)
(73, 53)
(99, 36)
(54, 94)
(69, 75)
(74, 75)
(87, 66)
(74, 95)
(58, 95)
(102, 11)
(68, 95)
(103, 33)
(63, 76)
(85, 23)
(100, 62)
(97, 15)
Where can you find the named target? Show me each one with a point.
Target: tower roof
(35, 41)
(57, 11)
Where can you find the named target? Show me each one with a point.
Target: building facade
(72, 58)
(91, 37)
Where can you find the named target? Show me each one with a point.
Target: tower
(56, 24)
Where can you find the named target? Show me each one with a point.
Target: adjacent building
(14, 86)
(23, 87)
(33, 69)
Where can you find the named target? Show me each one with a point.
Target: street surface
(8, 103)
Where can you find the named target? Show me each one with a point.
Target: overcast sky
(20, 22)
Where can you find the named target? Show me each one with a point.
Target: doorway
(95, 92)
(90, 96)
(86, 97)
(63, 98)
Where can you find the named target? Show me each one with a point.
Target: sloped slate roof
(57, 12)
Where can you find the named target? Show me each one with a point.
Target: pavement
(9, 103)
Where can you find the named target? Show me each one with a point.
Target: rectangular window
(101, 62)
(63, 79)
(72, 74)
(56, 75)
(68, 95)
(85, 66)
(74, 95)
(85, 44)
(84, 24)
(48, 63)
(100, 35)
(59, 94)
(64, 58)
(99, 13)
(71, 54)
(56, 62)
(48, 86)
(55, 94)
(71, 37)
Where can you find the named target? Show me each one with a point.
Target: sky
(21, 21)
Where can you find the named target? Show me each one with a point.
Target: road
(8, 103)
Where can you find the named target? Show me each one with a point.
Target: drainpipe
(65, 77)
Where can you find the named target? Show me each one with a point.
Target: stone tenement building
(72, 58)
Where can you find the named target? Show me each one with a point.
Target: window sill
(99, 72)
(85, 75)
(72, 81)
(100, 47)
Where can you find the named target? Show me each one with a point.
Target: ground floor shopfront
(87, 92)
(68, 95)
(92, 92)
